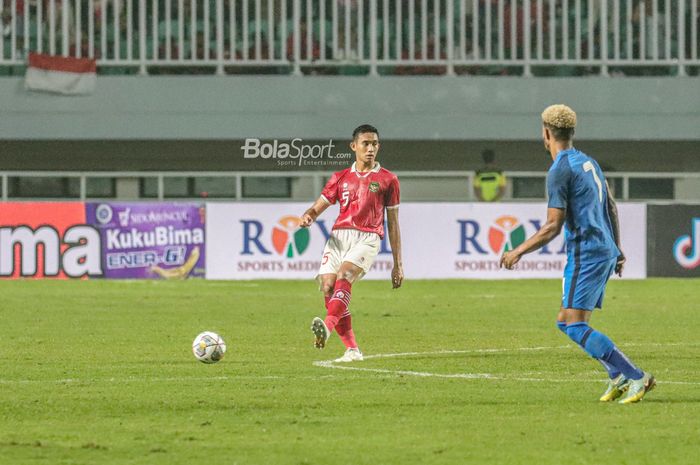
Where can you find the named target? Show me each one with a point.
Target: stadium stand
(347, 37)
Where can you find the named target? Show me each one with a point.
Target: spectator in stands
(308, 55)
(347, 51)
(433, 38)
(490, 182)
(305, 53)
(645, 48)
(692, 20)
(6, 23)
(421, 69)
(63, 8)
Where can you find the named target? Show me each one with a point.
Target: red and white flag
(61, 75)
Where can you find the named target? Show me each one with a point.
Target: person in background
(489, 182)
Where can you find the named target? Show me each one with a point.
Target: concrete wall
(404, 108)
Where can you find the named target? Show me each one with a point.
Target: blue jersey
(576, 184)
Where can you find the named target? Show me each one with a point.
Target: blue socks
(596, 344)
(625, 365)
(562, 326)
(600, 347)
(612, 371)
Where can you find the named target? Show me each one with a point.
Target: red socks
(338, 303)
(338, 316)
(344, 330)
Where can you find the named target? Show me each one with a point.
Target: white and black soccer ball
(208, 347)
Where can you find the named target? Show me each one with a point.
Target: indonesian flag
(61, 75)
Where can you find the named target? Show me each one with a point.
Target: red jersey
(362, 197)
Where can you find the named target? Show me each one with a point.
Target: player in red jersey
(363, 191)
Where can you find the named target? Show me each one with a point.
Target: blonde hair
(559, 116)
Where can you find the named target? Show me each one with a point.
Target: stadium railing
(359, 36)
(446, 186)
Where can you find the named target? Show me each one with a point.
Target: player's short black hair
(560, 134)
(363, 128)
(488, 156)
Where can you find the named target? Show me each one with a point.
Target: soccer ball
(208, 347)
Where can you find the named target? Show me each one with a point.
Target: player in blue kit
(578, 196)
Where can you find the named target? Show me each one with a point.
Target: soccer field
(100, 372)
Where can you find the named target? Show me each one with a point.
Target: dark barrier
(673, 240)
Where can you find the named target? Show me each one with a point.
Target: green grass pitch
(97, 372)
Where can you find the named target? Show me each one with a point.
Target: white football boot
(616, 387)
(351, 355)
(638, 388)
(321, 333)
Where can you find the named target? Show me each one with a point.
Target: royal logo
(686, 249)
(288, 238)
(506, 234)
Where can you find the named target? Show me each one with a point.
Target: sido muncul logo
(506, 234)
(686, 249)
(288, 238)
(124, 217)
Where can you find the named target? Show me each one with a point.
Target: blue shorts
(584, 283)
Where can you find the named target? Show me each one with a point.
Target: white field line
(422, 374)
(145, 379)
(130, 379)
(331, 364)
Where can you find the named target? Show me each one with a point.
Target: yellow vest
(488, 183)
